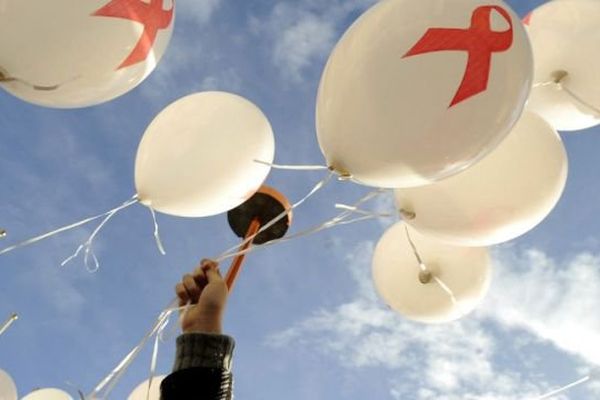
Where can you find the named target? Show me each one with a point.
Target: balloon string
(159, 244)
(7, 324)
(564, 388)
(293, 167)
(65, 228)
(426, 270)
(283, 214)
(340, 219)
(594, 109)
(422, 265)
(575, 96)
(110, 381)
(87, 245)
(357, 210)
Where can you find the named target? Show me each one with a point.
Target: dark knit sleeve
(202, 369)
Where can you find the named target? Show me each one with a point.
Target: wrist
(209, 325)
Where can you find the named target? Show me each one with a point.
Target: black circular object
(264, 206)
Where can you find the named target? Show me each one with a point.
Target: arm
(202, 369)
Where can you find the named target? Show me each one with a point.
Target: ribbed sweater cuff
(204, 350)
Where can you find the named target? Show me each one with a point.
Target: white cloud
(198, 11)
(533, 299)
(305, 32)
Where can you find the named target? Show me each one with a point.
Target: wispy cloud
(305, 32)
(463, 360)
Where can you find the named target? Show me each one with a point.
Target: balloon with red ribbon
(565, 40)
(72, 53)
(417, 91)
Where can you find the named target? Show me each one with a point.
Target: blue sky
(306, 320)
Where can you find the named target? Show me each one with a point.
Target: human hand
(207, 293)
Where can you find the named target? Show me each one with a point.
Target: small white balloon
(73, 53)
(48, 394)
(565, 37)
(416, 91)
(460, 276)
(500, 198)
(8, 389)
(198, 156)
(141, 391)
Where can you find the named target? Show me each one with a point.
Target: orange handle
(236, 265)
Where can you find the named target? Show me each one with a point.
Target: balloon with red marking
(73, 53)
(416, 91)
(565, 39)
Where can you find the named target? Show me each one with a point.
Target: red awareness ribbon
(478, 40)
(151, 15)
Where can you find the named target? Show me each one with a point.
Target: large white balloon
(565, 38)
(416, 91)
(48, 394)
(141, 391)
(464, 271)
(8, 389)
(503, 196)
(197, 158)
(80, 53)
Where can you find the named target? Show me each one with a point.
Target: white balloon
(565, 37)
(465, 271)
(409, 95)
(8, 389)
(94, 50)
(197, 157)
(503, 196)
(48, 394)
(141, 391)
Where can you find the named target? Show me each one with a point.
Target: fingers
(191, 286)
(182, 294)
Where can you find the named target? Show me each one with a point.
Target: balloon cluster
(428, 98)
(437, 100)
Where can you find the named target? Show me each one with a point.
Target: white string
(293, 167)
(340, 219)
(561, 86)
(357, 210)
(564, 388)
(424, 268)
(65, 228)
(9, 321)
(283, 214)
(109, 382)
(87, 245)
(159, 244)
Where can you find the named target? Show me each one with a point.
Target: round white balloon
(80, 53)
(465, 271)
(416, 91)
(503, 196)
(565, 37)
(8, 389)
(198, 156)
(48, 394)
(141, 391)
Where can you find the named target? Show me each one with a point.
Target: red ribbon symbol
(478, 40)
(151, 15)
